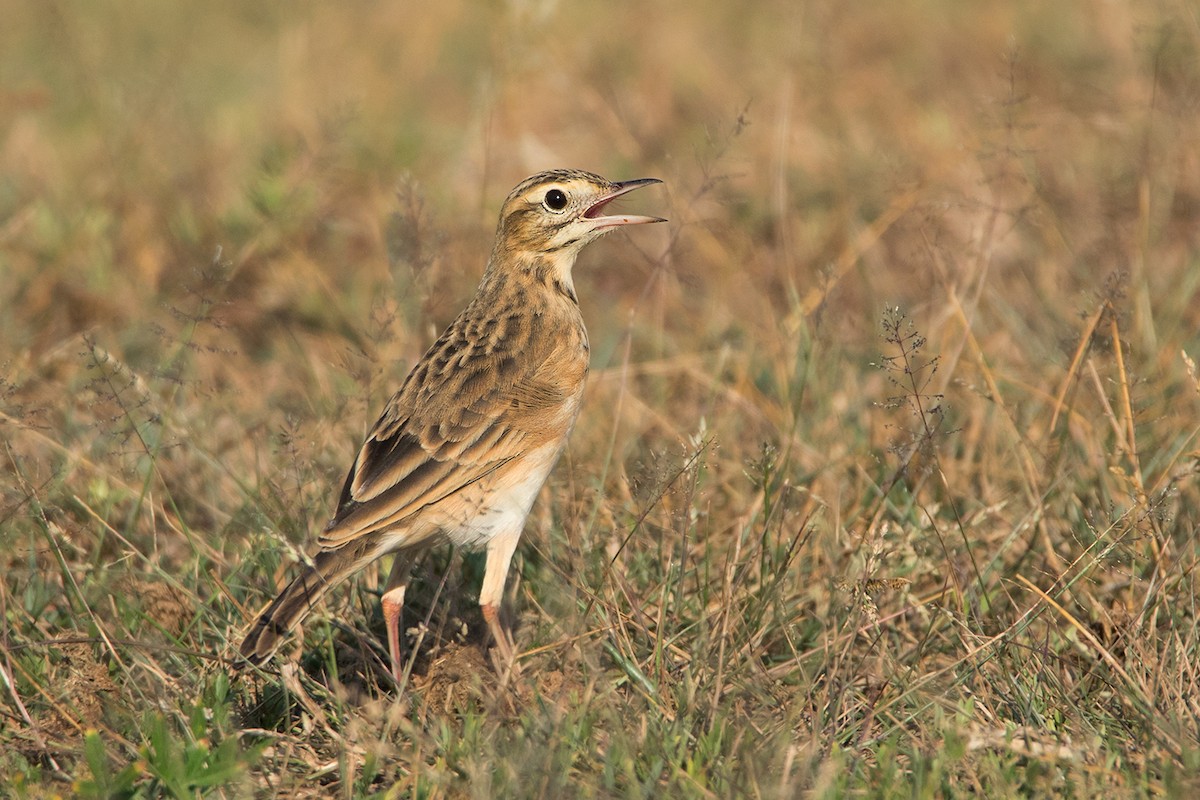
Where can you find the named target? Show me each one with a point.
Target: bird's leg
(499, 553)
(392, 603)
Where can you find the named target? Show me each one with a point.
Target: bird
(460, 452)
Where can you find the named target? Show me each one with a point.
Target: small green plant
(185, 761)
(105, 782)
(200, 757)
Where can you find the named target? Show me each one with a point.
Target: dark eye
(556, 200)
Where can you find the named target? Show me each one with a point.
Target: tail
(330, 567)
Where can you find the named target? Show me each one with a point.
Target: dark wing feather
(467, 409)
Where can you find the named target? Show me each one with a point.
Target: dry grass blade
(1068, 379)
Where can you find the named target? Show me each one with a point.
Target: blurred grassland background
(886, 481)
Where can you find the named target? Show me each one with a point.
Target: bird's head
(553, 215)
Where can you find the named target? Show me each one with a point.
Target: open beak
(600, 220)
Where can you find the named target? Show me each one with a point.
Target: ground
(885, 482)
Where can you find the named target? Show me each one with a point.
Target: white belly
(501, 506)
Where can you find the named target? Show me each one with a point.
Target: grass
(886, 480)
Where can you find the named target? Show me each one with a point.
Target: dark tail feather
(295, 602)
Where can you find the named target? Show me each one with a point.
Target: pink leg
(392, 603)
(491, 594)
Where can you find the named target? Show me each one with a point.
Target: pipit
(461, 451)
